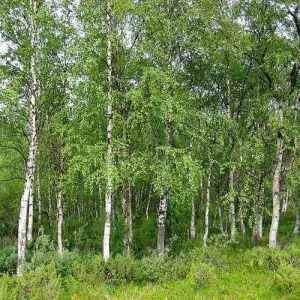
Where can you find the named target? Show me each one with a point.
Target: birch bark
(207, 206)
(297, 225)
(232, 217)
(59, 218)
(30, 168)
(127, 212)
(276, 188)
(193, 212)
(109, 185)
(162, 209)
(162, 214)
(39, 198)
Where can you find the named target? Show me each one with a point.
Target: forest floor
(220, 271)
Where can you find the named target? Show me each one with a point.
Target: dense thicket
(141, 125)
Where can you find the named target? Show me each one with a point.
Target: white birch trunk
(193, 220)
(193, 212)
(22, 224)
(49, 204)
(207, 207)
(29, 181)
(232, 218)
(220, 219)
(127, 212)
(39, 198)
(30, 215)
(276, 190)
(109, 187)
(242, 224)
(257, 230)
(285, 202)
(232, 208)
(161, 220)
(148, 204)
(297, 225)
(59, 219)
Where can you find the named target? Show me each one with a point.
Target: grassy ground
(238, 271)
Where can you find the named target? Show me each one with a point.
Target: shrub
(42, 254)
(201, 274)
(43, 283)
(8, 288)
(266, 258)
(8, 260)
(287, 279)
(119, 270)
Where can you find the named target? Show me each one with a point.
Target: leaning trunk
(30, 167)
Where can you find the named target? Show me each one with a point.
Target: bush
(119, 270)
(42, 254)
(150, 269)
(266, 258)
(201, 274)
(213, 256)
(287, 279)
(8, 288)
(43, 283)
(91, 270)
(8, 260)
(157, 269)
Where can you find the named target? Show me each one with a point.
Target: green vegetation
(224, 272)
(149, 149)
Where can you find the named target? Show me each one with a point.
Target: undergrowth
(213, 272)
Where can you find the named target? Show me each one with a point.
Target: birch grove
(132, 127)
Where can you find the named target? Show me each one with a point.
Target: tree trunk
(232, 207)
(207, 206)
(22, 222)
(231, 172)
(285, 202)
(257, 229)
(39, 198)
(297, 226)
(193, 213)
(276, 190)
(59, 218)
(148, 203)
(258, 221)
(127, 212)
(30, 215)
(109, 186)
(30, 168)
(193, 220)
(242, 224)
(161, 220)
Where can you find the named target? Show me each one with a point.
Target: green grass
(214, 273)
(238, 271)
